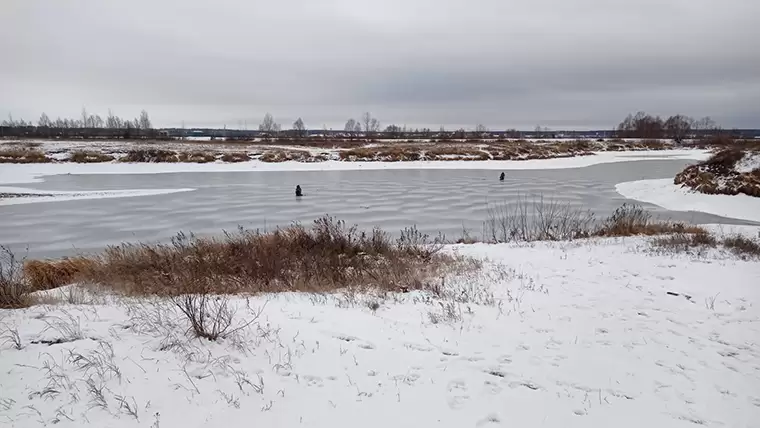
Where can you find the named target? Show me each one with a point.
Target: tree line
(86, 120)
(677, 127)
(640, 125)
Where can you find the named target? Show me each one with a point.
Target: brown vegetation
(23, 155)
(291, 155)
(326, 257)
(150, 155)
(82, 156)
(235, 157)
(48, 274)
(196, 157)
(718, 175)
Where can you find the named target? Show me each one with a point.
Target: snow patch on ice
(664, 193)
(58, 196)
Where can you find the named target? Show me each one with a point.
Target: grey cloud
(582, 63)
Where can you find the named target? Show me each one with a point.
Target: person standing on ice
(298, 191)
(501, 177)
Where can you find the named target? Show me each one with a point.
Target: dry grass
(326, 257)
(630, 220)
(196, 157)
(549, 220)
(683, 242)
(235, 157)
(151, 155)
(48, 274)
(289, 155)
(718, 175)
(743, 245)
(83, 156)
(23, 155)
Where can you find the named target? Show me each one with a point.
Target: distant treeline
(93, 126)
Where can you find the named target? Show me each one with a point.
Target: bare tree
(678, 127)
(144, 122)
(353, 128)
(44, 121)
(480, 128)
(85, 118)
(299, 128)
(370, 123)
(269, 126)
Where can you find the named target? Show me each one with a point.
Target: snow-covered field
(677, 198)
(548, 335)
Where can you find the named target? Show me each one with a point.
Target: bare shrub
(536, 220)
(210, 317)
(14, 292)
(83, 156)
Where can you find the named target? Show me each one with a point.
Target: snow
(58, 196)
(577, 334)
(31, 173)
(750, 162)
(676, 198)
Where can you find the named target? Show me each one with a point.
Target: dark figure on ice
(501, 177)
(298, 190)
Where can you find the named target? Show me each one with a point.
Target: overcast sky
(569, 64)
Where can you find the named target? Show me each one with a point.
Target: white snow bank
(580, 335)
(676, 198)
(58, 196)
(30, 173)
(749, 163)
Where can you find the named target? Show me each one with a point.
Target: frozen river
(435, 200)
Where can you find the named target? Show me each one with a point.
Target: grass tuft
(82, 156)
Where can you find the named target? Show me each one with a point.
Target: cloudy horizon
(580, 64)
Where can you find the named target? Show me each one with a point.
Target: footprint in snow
(493, 418)
(458, 401)
(492, 388)
(457, 384)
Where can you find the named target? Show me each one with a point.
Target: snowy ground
(677, 198)
(577, 334)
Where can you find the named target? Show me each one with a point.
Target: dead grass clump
(393, 153)
(14, 292)
(196, 157)
(151, 155)
(326, 257)
(234, 157)
(742, 245)
(685, 242)
(285, 155)
(82, 156)
(630, 220)
(23, 155)
(48, 274)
